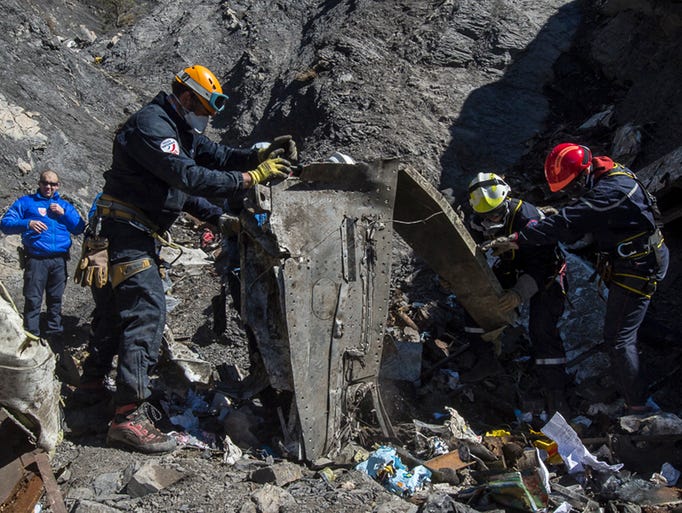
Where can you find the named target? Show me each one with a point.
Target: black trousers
(44, 276)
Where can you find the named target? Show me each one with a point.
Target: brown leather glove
(93, 267)
(509, 300)
(229, 225)
(501, 244)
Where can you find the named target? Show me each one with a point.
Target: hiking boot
(89, 393)
(133, 428)
(66, 369)
(643, 410)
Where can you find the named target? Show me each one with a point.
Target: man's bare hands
(37, 226)
(56, 208)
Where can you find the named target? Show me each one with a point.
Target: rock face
(450, 87)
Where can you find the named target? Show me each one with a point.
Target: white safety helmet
(340, 158)
(487, 192)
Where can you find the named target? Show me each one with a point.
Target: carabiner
(621, 253)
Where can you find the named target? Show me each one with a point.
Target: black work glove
(282, 146)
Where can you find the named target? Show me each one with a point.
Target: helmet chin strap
(177, 105)
(493, 226)
(585, 180)
(196, 122)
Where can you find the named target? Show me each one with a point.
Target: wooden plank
(450, 460)
(20, 489)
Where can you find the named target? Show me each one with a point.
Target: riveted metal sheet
(333, 226)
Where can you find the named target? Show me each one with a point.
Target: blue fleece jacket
(56, 240)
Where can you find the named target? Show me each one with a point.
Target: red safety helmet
(565, 163)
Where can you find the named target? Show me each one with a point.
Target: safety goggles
(217, 101)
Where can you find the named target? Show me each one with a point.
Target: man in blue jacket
(160, 159)
(617, 212)
(46, 223)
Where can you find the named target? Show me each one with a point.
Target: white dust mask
(198, 123)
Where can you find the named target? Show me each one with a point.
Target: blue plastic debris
(385, 466)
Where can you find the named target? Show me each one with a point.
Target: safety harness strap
(639, 245)
(113, 208)
(108, 206)
(641, 285)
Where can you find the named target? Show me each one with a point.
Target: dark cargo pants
(129, 319)
(546, 308)
(625, 311)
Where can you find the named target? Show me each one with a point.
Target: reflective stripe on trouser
(550, 361)
(546, 308)
(140, 307)
(44, 276)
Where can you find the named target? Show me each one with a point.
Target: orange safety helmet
(205, 85)
(565, 163)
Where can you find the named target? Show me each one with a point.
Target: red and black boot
(133, 428)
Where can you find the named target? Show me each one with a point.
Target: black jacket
(541, 263)
(614, 209)
(158, 161)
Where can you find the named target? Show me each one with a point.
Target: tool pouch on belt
(93, 267)
(124, 270)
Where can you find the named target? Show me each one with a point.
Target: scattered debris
(386, 467)
(152, 478)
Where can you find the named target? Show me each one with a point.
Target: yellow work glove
(282, 146)
(269, 169)
(93, 267)
(509, 300)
